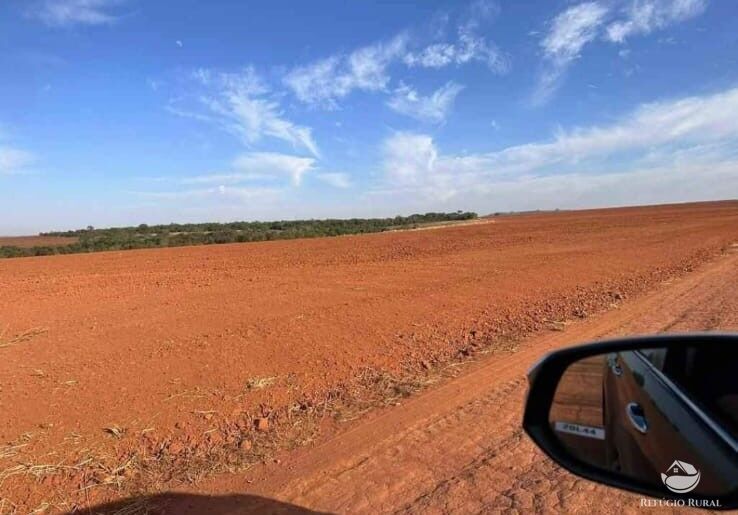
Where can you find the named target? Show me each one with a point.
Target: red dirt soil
(458, 446)
(36, 241)
(168, 348)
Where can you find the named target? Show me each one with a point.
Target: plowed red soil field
(143, 371)
(36, 241)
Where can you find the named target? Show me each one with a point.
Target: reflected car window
(655, 356)
(706, 376)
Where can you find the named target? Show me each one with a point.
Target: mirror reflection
(666, 416)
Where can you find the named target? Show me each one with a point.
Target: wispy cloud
(324, 82)
(335, 179)
(581, 24)
(65, 13)
(468, 47)
(644, 16)
(243, 104)
(225, 178)
(14, 161)
(432, 108)
(221, 192)
(412, 166)
(254, 176)
(684, 122)
(153, 84)
(259, 166)
(266, 163)
(408, 157)
(569, 32)
(694, 134)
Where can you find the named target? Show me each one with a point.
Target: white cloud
(411, 167)
(433, 108)
(469, 47)
(64, 13)
(694, 135)
(569, 32)
(335, 179)
(687, 182)
(325, 81)
(258, 166)
(408, 157)
(226, 178)
(688, 120)
(14, 161)
(242, 104)
(203, 76)
(436, 55)
(271, 163)
(644, 16)
(222, 192)
(153, 84)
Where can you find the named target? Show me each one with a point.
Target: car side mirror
(656, 415)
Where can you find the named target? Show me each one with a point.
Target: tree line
(91, 239)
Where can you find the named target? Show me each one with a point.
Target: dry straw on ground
(19, 338)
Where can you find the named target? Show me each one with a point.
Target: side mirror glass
(655, 415)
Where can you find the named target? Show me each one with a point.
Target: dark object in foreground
(191, 504)
(656, 415)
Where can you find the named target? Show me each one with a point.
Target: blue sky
(119, 112)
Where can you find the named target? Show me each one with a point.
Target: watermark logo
(681, 477)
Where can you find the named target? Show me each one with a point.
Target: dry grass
(147, 470)
(115, 431)
(258, 383)
(7, 507)
(41, 508)
(38, 471)
(95, 470)
(193, 393)
(9, 451)
(37, 241)
(19, 338)
(556, 325)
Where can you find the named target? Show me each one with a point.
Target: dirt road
(458, 448)
(144, 371)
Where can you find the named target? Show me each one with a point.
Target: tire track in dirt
(459, 447)
(539, 485)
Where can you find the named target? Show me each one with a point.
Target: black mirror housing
(544, 378)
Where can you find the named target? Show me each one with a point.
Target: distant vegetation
(177, 235)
